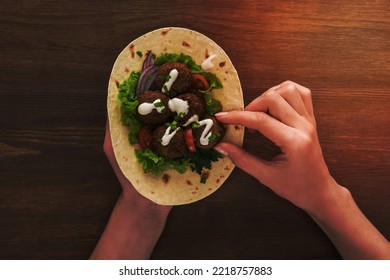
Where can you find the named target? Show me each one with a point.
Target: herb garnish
(195, 125)
(214, 136)
(158, 104)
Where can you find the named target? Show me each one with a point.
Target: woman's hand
(284, 114)
(136, 223)
(129, 193)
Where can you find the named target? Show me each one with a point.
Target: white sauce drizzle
(168, 136)
(146, 108)
(172, 78)
(206, 134)
(207, 64)
(178, 105)
(194, 118)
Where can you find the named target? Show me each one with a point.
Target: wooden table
(57, 189)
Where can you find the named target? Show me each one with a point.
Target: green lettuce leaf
(178, 57)
(213, 106)
(156, 164)
(213, 80)
(128, 101)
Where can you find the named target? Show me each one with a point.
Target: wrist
(332, 201)
(135, 203)
(133, 230)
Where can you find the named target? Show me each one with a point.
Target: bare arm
(284, 114)
(135, 224)
(350, 231)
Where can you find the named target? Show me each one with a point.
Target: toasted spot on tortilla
(218, 180)
(131, 48)
(166, 178)
(115, 81)
(127, 70)
(226, 168)
(237, 127)
(194, 192)
(165, 32)
(185, 44)
(189, 182)
(206, 54)
(222, 64)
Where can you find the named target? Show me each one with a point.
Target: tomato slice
(145, 137)
(189, 138)
(199, 77)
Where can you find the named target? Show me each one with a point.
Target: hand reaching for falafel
(284, 114)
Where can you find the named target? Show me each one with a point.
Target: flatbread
(173, 188)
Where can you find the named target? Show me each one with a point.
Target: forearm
(350, 231)
(132, 231)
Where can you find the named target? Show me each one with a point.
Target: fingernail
(220, 150)
(221, 114)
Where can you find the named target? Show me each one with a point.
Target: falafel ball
(196, 106)
(212, 137)
(152, 111)
(176, 147)
(182, 83)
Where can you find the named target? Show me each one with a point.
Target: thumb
(249, 163)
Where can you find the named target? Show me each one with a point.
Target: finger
(127, 186)
(292, 95)
(107, 144)
(254, 105)
(305, 94)
(297, 96)
(270, 127)
(109, 151)
(288, 90)
(273, 103)
(249, 163)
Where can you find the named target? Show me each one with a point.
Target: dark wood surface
(57, 189)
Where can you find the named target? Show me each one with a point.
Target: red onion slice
(149, 60)
(146, 79)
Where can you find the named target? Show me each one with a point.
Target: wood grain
(57, 189)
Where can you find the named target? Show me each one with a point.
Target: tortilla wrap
(173, 188)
